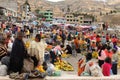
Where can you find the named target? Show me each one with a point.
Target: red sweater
(106, 67)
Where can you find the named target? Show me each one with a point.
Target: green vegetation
(1, 12)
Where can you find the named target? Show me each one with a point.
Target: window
(51, 13)
(81, 18)
(71, 20)
(67, 16)
(67, 19)
(46, 17)
(76, 20)
(86, 22)
(45, 13)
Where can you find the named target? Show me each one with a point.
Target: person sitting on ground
(68, 49)
(37, 50)
(106, 67)
(88, 56)
(3, 48)
(92, 68)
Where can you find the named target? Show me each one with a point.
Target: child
(88, 56)
(106, 67)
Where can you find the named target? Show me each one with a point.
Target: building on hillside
(46, 15)
(60, 20)
(25, 10)
(8, 14)
(81, 19)
(9, 8)
(87, 20)
(72, 19)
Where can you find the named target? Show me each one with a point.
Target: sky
(55, 0)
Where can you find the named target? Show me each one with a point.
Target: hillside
(111, 19)
(35, 4)
(87, 5)
(74, 5)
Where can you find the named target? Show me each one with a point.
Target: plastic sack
(3, 70)
(28, 65)
(50, 70)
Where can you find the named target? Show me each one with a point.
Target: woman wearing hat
(18, 54)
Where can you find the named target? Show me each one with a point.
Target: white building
(9, 7)
(9, 12)
(59, 21)
(25, 10)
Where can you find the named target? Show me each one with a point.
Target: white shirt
(37, 49)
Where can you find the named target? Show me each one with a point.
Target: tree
(100, 13)
(1, 12)
(106, 13)
(111, 12)
(114, 11)
(68, 8)
(37, 11)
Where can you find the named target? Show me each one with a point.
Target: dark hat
(20, 34)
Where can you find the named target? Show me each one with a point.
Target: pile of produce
(40, 68)
(95, 54)
(64, 55)
(63, 65)
(27, 44)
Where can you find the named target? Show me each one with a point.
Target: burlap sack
(28, 65)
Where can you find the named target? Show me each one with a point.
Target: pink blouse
(103, 55)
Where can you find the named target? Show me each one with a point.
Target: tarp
(85, 27)
(69, 25)
(34, 23)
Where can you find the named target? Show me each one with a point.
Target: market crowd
(38, 54)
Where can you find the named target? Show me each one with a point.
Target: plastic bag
(3, 70)
(50, 70)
